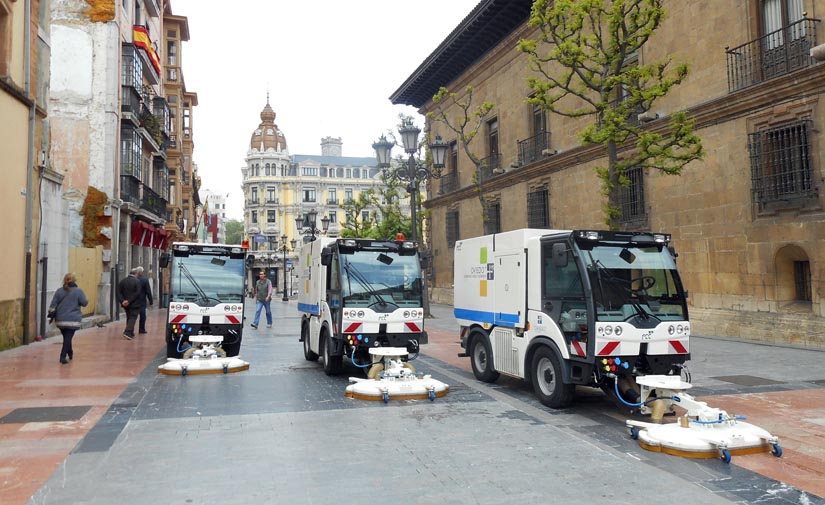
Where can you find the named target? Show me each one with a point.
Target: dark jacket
(147, 289)
(130, 289)
(67, 306)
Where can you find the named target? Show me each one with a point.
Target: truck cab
(355, 294)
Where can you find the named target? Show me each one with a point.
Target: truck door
(509, 290)
(563, 295)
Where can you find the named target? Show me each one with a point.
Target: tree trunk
(613, 202)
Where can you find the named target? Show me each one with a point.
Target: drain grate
(747, 380)
(45, 414)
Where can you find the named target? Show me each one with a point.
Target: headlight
(671, 330)
(608, 330)
(407, 314)
(360, 314)
(618, 330)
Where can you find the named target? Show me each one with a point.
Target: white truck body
(609, 307)
(366, 293)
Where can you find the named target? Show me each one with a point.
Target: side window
(561, 282)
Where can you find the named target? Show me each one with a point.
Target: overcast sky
(329, 66)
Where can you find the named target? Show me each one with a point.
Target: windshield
(207, 280)
(634, 281)
(375, 277)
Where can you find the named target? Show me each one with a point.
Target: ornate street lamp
(414, 172)
(307, 226)
(284, 248)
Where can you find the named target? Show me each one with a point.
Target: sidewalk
(53, 406)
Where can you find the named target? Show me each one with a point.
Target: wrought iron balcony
(530, 149)
(490, 166)
(332, 201)
(152, 202)
(448, 182)
(777, 53)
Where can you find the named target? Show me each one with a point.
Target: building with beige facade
(279, 187)
(24, 82)
(748, 221)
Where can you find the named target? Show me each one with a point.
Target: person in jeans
(263, 293)
(65, 309)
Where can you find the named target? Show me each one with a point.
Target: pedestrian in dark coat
(147, 297)
(65, 310)
(131, 298)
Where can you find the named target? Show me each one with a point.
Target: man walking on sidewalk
(263, 293)
(147, 296)
(131, 298)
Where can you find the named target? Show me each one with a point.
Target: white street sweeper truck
(565, 308)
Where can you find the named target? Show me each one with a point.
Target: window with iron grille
(632, 198)
(452, 228)
(493, 222)
(781, 163)
(538, 208)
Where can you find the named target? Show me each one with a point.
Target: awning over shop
(146, 235)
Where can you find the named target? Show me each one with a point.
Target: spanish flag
(141, 39)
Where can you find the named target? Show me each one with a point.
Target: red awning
(143, 234)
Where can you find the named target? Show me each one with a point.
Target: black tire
(481, 357)
(547, 379)
(308, 354)
(332, 364)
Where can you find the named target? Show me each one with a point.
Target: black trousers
(142, 320)
(131, 318)
(67, 350)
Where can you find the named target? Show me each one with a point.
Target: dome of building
(267, 136)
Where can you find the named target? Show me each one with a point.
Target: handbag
(52, 313)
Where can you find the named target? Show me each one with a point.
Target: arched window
(793, 279)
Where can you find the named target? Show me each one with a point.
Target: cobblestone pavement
(107, 429)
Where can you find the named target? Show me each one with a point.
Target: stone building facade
(748, 221)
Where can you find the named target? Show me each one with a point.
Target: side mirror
(163, 261)
(559, 253)
(326, 256)
(249, 261)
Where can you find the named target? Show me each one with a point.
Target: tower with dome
(279, 187)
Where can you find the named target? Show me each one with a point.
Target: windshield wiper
(191, 279)
(363, 282)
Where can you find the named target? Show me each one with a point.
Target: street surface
(108, 429)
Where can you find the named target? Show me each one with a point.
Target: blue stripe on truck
(310, 309)
(482, 316)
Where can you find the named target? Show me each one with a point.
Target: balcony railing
(448, 183)
(530, 149)
(777, 53)
(490, 166)
(152, 202)
(332, 201)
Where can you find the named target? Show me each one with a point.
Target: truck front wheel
(332, 364)
(481, 357)
(547, 379)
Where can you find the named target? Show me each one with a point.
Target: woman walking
(65, 309)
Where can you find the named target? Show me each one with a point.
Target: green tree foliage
(586, 61)
(462, 117)
(234, 231)
(387, 202)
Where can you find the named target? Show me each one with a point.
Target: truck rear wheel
(308, 354)
(481, 357)
(332, 364)
(547, 379)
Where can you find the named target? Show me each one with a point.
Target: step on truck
(206, 295)
(357, 294)
(566, 308)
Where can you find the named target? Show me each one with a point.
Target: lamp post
(284, 248)
(309, 222)
(414, 172)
